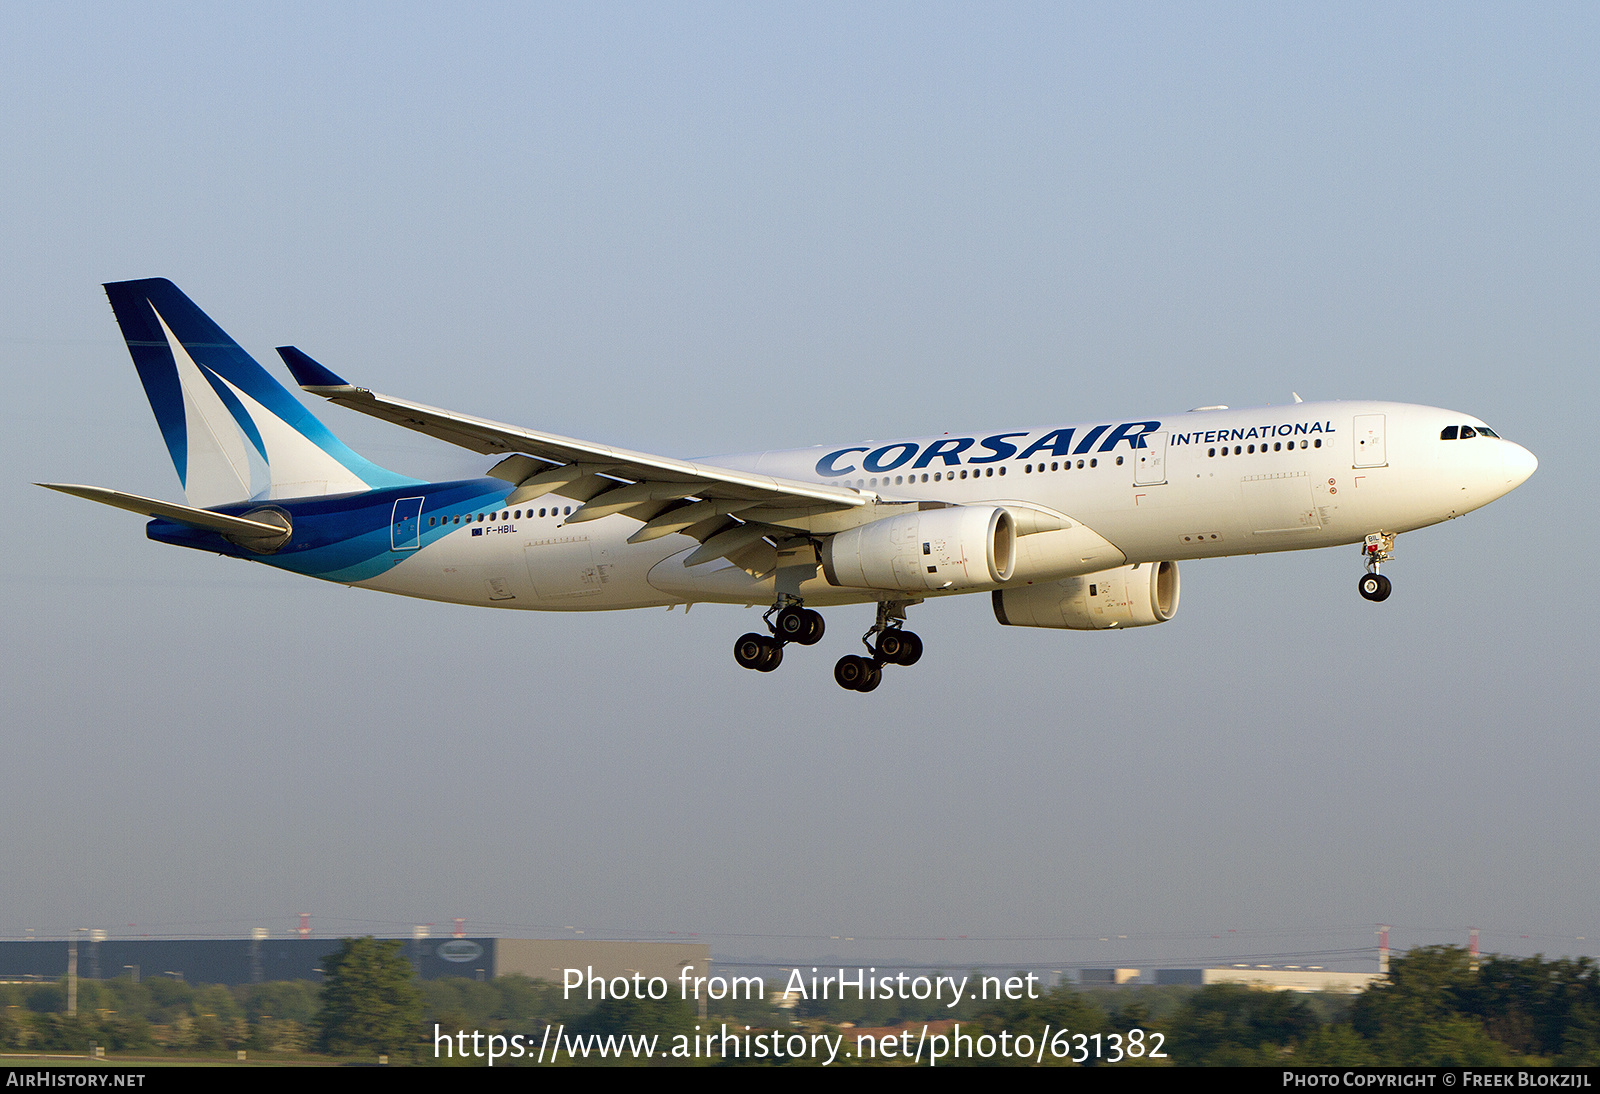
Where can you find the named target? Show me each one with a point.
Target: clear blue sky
(695, 229)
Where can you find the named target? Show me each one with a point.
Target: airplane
(1066, 527)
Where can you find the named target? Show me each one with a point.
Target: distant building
(253, 961)
(1107, 977)
(1273, 978)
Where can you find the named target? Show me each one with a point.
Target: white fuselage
(1304, 475)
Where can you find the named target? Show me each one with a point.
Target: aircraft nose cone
(1519, 463)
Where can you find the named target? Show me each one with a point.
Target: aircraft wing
(668, 495)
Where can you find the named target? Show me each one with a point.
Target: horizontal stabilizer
(239, 527)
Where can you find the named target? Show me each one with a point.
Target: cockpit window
(1468, 432)
(1485, 431)
(1449, 433)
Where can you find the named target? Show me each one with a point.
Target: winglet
(310, 375)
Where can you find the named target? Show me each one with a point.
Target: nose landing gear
(889, 643)
(1378, 549)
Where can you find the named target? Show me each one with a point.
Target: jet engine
(1128, 596)
(954, 548)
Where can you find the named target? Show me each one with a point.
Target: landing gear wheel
(792, 624)
(772, 655)
(850, 671)
(910, 649)
(1375, 587)
(751, 650)
(889, 646)
(814, 628)
(899, 647)
(873, 678)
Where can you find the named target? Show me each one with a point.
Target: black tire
(814, 629)
(911, 648)
(1375, 587)
(772, 655)
(749, 650)
(849, 671)
(873, 678)
(890, 646)
(792, 624)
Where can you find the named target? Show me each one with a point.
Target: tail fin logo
(234, 433)
(225, 457)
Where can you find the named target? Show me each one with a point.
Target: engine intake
(955, 548)
(1128, 596)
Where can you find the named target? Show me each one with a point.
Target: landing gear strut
(795, 623)
(1378, 549)
(887, 641)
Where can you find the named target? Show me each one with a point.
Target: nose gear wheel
(1377, 549)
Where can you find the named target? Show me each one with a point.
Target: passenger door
(405, 526)
(1369, 447)
(1150, 461)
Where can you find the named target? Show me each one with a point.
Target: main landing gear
(889, 643)
(790, 620)
(795, 623)
(1378, 549)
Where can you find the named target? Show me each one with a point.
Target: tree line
(1440, 1006)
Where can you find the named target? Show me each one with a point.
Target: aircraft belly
(722, 582)
(436, 572)
(1221, 511)
(539, 571)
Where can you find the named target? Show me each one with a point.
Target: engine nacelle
(958, 547)
(1128, 596)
